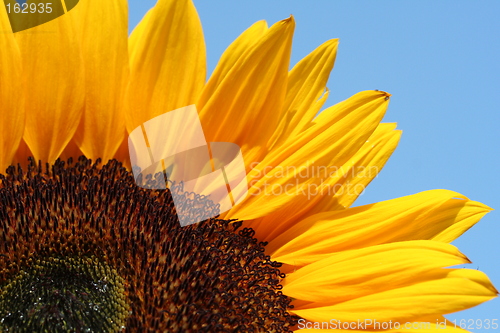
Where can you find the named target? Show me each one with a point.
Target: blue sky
(439, 60)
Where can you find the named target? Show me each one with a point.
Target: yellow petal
(22, 154)
(167, 61)
(357, 273)
(247, 105)
(360, 113)
(239, 47)
(11, 93)
(359, 171)
(306, 84)
(433, 215)
(283, 176)
(339, 187)
(284, 126)
(53, 86)
(437, 291)
(102, 27)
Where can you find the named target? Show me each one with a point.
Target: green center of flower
(84, 249)
(62, 294)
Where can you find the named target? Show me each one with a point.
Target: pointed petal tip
(486, 207)
(458, 196)
(468, 261)
(290, 19)
(332, 44)
(374, 94)
(385, 94)
(333, 41)
(381, 94)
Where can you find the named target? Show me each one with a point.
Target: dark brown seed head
(84, 249)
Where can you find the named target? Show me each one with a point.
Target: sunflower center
(61, 294)
(84, 249)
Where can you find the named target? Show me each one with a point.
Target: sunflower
(83, 248)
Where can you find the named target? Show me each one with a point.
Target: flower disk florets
(84, 249)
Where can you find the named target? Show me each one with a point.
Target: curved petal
(360, 170)
(344, 184)
(439, 215)
(238, 48)
(103, 29)
(282, 177)
(339, 187)
(437, 291)
(358, 273)
(314, 108)
(55, 86)
(11, 93)
(247, 105)
(167, 61)
(306, 84)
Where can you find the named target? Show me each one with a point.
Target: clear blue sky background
(439, 60)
